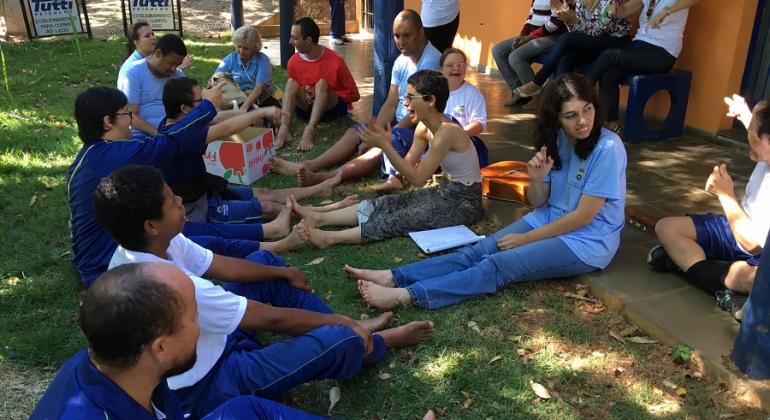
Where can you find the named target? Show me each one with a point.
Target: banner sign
(158, 13)
(55, 17)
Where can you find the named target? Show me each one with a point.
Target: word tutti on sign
(50, 5)
(150, 3)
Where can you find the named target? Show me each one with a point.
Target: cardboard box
(242, 158)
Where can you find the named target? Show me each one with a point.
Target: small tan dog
(230, 90)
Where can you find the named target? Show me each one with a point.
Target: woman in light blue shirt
(250, 68)
(577, 188)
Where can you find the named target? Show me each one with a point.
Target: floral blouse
(599, 22)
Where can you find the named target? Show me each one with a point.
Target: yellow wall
(715, 48)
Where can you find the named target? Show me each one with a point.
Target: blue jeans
(483, 269)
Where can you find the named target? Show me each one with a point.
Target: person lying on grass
(259, 293)
(208, 198)
(578, 189)
(466, 104)
(456, 199)
(722, 251)
(141, 324)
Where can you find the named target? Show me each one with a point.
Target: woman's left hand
(656, 20)
(511, 240)
(374, 135)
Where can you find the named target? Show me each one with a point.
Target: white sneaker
(336, 41)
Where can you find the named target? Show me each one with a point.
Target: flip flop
(523, 95)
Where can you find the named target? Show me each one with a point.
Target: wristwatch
(668, 11)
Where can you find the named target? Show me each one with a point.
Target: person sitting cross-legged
(456, 200)
(320, 86)
(578, 190)
(723, 251)
(259, 294)
(208, 198)
(141, 324)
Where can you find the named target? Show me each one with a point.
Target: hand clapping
(540, 164)
(374, 135)
(720, 183)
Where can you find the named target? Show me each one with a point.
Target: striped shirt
(542, 21)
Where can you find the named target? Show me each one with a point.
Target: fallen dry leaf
(495, 359)
(515, 338)
(641, 340)
(363, 316)
(618, 371)
(474, 326)
(384, 376)
(495, 405)
(398, 259)
(32, 200)
(521, 352)
(628, 331)
(540, 390)
(421, 255)
(392, 365)
(334, 397)
(615, 335)
(316, 261)
(465, 394)
(325, 202)
(669, 384)
(467, 403)
(574, 296)
(681, 391)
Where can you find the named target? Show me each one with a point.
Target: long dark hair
(133, 35)
(547, 125)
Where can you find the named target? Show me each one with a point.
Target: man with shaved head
(141, 324)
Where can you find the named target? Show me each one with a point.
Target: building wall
(715, 49)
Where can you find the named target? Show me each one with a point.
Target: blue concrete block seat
(641, 88)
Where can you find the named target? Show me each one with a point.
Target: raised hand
(738, 108)
(720, 183)
(186, 62)
(540, 164)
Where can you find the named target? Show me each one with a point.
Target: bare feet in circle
(315, 237)
(307, 177)
(381, 297)
(306, 142)
(291, 242)
(283, 166)
(279, 227)
(376, 324)
(310, 216)
(407, 335)
(283, 137)
(380, 277)
(330, 184)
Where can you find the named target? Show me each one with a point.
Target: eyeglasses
(129, 113)
(408, 98)
(651, 8)
(455, 66)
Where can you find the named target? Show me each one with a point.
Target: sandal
(523, 95)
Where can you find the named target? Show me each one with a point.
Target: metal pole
(385, 51)
(236, 14)
(287, 18)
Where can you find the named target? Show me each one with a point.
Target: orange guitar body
(507, 181)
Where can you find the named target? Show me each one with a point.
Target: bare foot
(283, 137)
(382, 297)
(345, 202)
(376, 324)
(407, 335)
(392, 184)
(311, 217)
(430, 415)
(315, 237)
(381, 277)
(283, 166)
(306, 143)
(291, 242)
(279, 227)
(308, 178)
(329, 185)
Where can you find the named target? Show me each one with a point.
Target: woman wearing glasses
(455, 200)
(654, 49)
(578, 189)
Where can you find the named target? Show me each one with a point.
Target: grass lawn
(481, 362)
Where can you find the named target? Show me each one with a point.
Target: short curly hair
(433, 83)
(127, 198)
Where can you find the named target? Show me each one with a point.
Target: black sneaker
(659, 260)
(730, 301)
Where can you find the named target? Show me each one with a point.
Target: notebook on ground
(436, 240)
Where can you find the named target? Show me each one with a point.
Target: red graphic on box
(268, 140)
(231, 156)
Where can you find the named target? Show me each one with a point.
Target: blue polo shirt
(92, 247)
(601, 174)
(80, 391)
(257, 70)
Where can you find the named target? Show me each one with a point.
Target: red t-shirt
(330, 67)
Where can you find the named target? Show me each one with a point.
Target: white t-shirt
(467, 105)
(670, 34)
(219, 311)
(438, 12)
(756, 202)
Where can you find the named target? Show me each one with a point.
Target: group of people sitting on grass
(151, 229)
